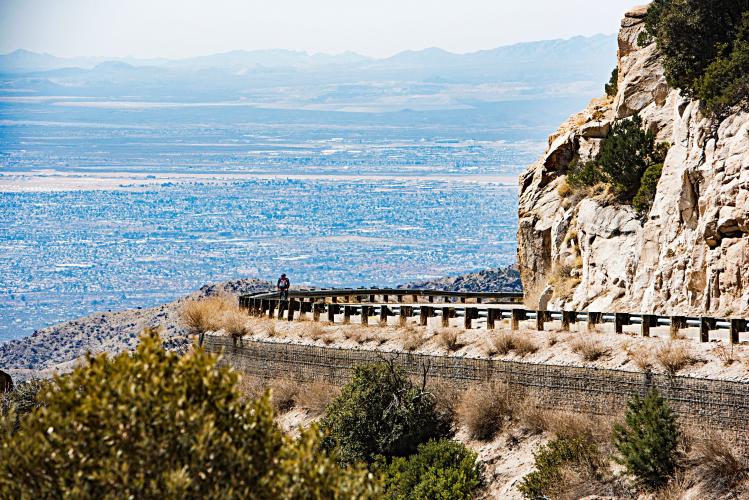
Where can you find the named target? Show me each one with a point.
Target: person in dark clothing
(283, 287)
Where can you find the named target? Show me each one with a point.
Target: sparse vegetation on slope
(164, 425)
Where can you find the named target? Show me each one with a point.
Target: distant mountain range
(24, 61)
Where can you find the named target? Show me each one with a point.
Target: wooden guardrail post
(346, 314)
(424, 315)
(540, 319)
(365, 315)
(705, 325)
(568, 317)
(490, 315)
(462, 300)
(620, 319)
(647, 321)
(734, 330)
(385, 299)
(677, 323)
(271, 307)
(332, 310)
(371, 297)
(292, 306)
(445, 317)
(478, 300)
(384, 313)
(468, 318)
(404, 315)
(594, 318)
(415, 298)
(316, 309)
(517, 316)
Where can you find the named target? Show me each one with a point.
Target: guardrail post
(568, 317)
(359, 298)
(415, 298)
(467, 319)
(405, 314)
(424, 316)
(371, 298)
(346, 315)
(334, 299)
(490, 319)
(445, 317)
(677, 323)
(282, 304)
(647, 322)
(462, 300)
(594, 318)
(620, 319)
(430, 298)
(517, 316)
(364, 315)
(478, 300)
(384, 313)
(332, 309)
(271, 307)
(540, 318)
(735, 329)
(705, 325)
(292, 306)
(385, 299)
(399, 297)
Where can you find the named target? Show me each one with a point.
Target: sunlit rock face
(690, 254)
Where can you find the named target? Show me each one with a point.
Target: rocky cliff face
(690, 254)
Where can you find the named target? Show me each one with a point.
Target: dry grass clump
(284, 393)
(412, 339)
(316, 396)
(251, 387)
(328, 339)
(673, 357)
(531, 416)
(675, 489)
(235, 324)
(314, 331)
(552, 339)
(641, 356)
(357, 334)
(206, 315)
(270, 328)
(507, 342)
(446, 397)
(725, 355)
(448, 338)
(717, 465)
(483, 409)
(590, 349)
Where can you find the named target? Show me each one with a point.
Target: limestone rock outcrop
(690, 254)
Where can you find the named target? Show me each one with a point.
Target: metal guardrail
(486, 309)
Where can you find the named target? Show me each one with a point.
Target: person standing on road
(283, 287)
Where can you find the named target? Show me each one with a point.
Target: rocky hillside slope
(56, 348)
(501, 279)
(690, 254)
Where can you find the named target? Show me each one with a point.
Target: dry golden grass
(506, 342)
(446, 397)
(675, 489)
(205, 315)
(235, 324)
(448, 338)
(564, 282)
(328, 339)
(726, 355)
(412, 339)
(316, 396)
(531, 416)
(674, 356)
(251, 387)
(564, 189)
(552, 339)
(483, 409)
(641, 356)
(270, 328)
(314, 331)
(717, 465)
(590, 349)
(284, 393)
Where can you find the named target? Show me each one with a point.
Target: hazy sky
(180, 28)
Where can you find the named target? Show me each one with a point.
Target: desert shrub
(205, 315)
(283, 394)
(153, 424)
(440, 469)
(647, 441)
(506, 342)
(316, 396)
(412, 339)
(584, 174)
(22, 400)
(641, 356)
(673, 357)
(483, 409)
(314, 331)
(704, 47)
(234, 323)
(446, 398)
(448, 338)
(613, 86)
(548, 478)
(589, 348)
(381, 412)
(717, 464)
(643, 200)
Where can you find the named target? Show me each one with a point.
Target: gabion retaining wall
(722, 405)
